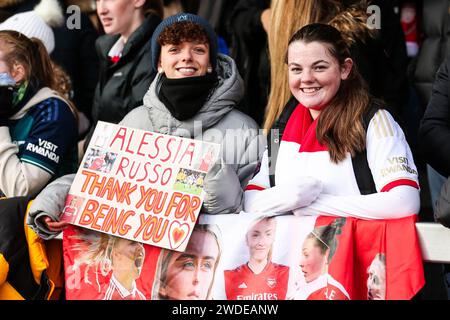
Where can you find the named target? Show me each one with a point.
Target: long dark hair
(340, 125)
(325, 237)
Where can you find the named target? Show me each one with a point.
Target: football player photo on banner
(316, 255)
(260, 275)
(190, 275)
(99, 266)
(252, 257)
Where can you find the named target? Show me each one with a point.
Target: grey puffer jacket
(217, 121)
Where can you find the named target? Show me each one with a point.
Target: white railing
(434, 242)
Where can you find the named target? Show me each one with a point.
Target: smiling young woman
(314, 75)
(194, 87)
(324, 131)
(184, 59)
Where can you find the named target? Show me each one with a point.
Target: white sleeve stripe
(382, 125)
(37, 164)
(387, 122)
(376, 127)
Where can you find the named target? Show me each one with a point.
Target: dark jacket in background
(75, 52)
(249, 50)
(383, 61)
(122, 85)
(442, 213)
(389, 51)
(434, 132)
(435, 46)
(218, 13)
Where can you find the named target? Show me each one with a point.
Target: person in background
(217, 13)
(429, 78)
(434, 129)
(38, 24)
(248, 25)
(430, 81)
(38, 127)
(172, 7)
(74, 48)
(409, 24)
(125, 57)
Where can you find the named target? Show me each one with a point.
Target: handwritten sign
(140, 185)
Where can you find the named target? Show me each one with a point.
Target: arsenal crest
(271, 282)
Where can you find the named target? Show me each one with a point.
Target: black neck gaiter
(13, 98)
(184, 97)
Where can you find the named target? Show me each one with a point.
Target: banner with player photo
(140, 185)
(250, 257)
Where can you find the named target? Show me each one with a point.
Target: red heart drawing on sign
(177, 234)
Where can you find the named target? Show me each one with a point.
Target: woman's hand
(54, 226)
(45, 211)
(223, 190)
(286, 197)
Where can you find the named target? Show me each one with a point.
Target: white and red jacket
(301, 155)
